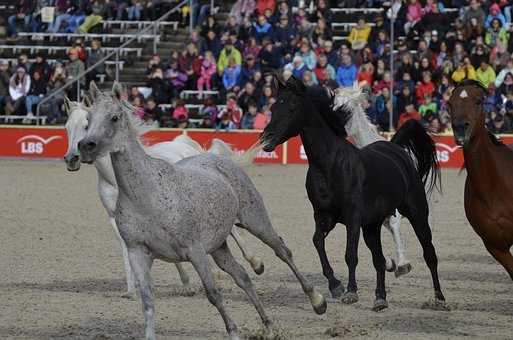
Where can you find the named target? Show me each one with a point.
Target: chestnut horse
(489, 164)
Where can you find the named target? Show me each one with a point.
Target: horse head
(466, 110)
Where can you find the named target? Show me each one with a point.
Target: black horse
(356, 187)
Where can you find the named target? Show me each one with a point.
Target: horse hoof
(403, 270)
(319, 303)
(257, 264)
(186, 290)
(379, 305)
(130, 295)
(234, 336)
(337, 291)
(350, 298)
(390, 265)
(436, 304)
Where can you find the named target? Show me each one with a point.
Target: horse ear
(117, 90)
(94, 91)
(296, 84)
(69, 105)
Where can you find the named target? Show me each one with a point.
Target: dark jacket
(4, 83)
(37, 87)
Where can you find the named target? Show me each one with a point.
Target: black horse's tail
(413, 137)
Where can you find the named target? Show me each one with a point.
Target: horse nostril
(91, 145)
(74, 159)
(87, 145)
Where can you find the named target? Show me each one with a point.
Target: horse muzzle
(72, 162)
(88, 150)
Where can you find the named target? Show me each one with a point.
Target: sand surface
(61, 273)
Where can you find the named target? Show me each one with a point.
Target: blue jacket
(231, 76)
(346, 75)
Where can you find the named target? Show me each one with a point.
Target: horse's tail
(413, 137)
(220, 147)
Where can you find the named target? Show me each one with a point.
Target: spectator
(322, 12)
(190, 64)
(464, 72)
(94, 57)
(474, 15)
(180, 111)
(346, 72)
(246, 96)
(262, 29)
(24, 10)
(262, 119)
(153, 112)
(207, 71)
(57, 80)
(36, 93)
(496, 34)
(160, 88)
(68, 13)
(307, 56)
(297, 67)
(134, 10)
(177, 78)
(233, 112)
(225, 122)
(495, 13)
(98, 10)
(248, 119)
(263, 5)
(498, 126)
(209, 109)
(324, 71)
(74, 67)
(426, 87)
(414, 15)
(40, 65)
(321, 32)
(359, 35)
(409, 113)
(231, 75)
(229, 51)
(4, 85)
(485, 74)
(19, 86)
(211, 43)
(269, 57)
(242, 9)
(428, 106)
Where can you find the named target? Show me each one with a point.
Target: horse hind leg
(256, 262)
(504, 257)
(224, 259)
(393, 224)
(417, 214)
(255, 220)
(372, 237)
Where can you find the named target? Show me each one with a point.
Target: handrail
(153, 27)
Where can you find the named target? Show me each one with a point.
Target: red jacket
(403, 118)
(262, 5)
(422, 90)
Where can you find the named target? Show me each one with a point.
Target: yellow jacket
(464, 72)
(359, 34)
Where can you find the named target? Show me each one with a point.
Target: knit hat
(495, 8)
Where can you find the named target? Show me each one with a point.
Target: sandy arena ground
(62, 274)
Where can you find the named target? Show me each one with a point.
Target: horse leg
(417, 214)
(184, 277)
(324, 224)
(504, 257)
(130, 280)
(199, 260)
(261, 227)
(351, 257)
(256, 262)
(372, 237)
(141, 262)
(393, 224)
(224, 259)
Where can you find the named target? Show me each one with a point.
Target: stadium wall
(51, 143)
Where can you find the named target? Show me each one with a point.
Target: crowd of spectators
(434, 50)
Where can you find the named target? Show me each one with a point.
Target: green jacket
(225, 56)
(486, 77)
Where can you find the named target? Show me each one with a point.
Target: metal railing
(77, 79)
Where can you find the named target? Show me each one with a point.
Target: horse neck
(479, 158)
(105, 171)
(319, 140)
(131, 165)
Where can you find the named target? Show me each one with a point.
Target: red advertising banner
(51, 142)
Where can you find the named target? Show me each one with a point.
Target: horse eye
(114, 119)
(86, 127)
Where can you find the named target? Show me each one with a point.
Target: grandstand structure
(140, 40)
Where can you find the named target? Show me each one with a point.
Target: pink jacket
(180, 111)
(208, 68)
(414, 12)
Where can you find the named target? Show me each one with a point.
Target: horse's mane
(496, 141)
(359, 126)
(322, 99)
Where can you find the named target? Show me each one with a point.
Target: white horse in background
(181, 147)
(363, 133)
